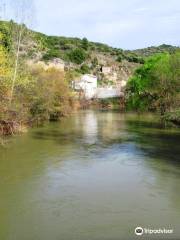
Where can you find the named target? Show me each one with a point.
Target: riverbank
(172, 117)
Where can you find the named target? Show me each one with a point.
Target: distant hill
(149, 51)
(82, 55)
(49, 47)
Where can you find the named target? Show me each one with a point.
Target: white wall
(108, 92)
(88, 84)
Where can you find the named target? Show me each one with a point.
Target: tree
(50, 97)
(78, 55)
(23, 13)
(155, 85)
(166, 81)
(85, 44)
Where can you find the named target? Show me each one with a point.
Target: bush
(119, 58)
(85, 44)
(77, 56)
(135, 59)
(52, 97)
(52, 53)
(84, 69)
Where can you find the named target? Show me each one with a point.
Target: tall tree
(156, 85)
(23, 13)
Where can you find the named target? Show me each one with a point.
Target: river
(92, 176)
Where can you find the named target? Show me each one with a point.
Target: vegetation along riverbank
(155, 87)
(39, 76)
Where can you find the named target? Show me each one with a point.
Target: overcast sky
(127, 24)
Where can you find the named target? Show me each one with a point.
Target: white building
(87, 83)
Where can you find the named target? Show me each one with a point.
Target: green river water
(92, 176)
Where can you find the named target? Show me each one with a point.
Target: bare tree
(23, 14)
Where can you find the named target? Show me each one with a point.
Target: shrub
(85, 44)
(85, 69)
(52, 53)
(52, 97)
(77, 56)
(119, 58)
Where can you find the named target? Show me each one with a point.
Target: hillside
(150, 51)
(83, 56)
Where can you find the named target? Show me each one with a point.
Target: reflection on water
(95, 175)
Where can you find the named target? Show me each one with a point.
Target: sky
(127, 24)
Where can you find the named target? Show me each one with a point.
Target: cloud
(125, 24)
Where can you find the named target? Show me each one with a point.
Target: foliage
(155, 85)
(40, 94)
(84, 69)
(63, 47)
(51, 96)
(52, 53)
(5, 38)
(150, 51)
(119, 58)
(132, 57)
(70, 75)
(4, 64)
(5, 74)
(77, 56)
(85, 44)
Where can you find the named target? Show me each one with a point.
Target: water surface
(93, 176)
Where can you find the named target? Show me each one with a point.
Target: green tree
(85, 44)
(78, 55)
(155, 85)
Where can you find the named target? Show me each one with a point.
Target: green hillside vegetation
(79, 50)
(150, 51)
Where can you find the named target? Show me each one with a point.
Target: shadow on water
(156, 141)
